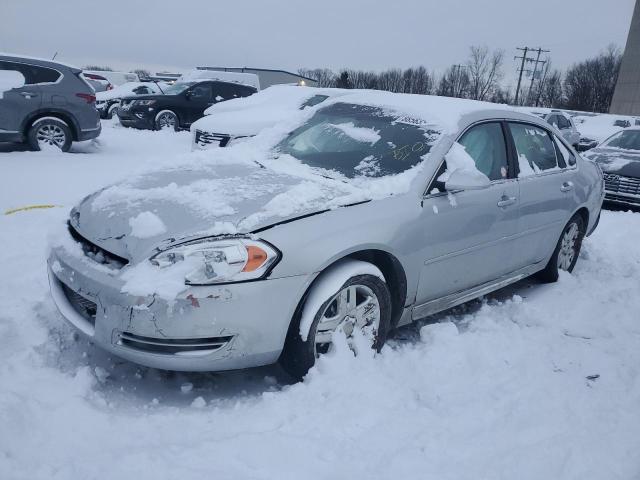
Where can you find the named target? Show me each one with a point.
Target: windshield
(177, 88)
(358, 140)
(626, 139)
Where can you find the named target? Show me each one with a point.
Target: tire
(566, 252)
(299, 355)
(49, 132)
(165, 120)
(113, 111)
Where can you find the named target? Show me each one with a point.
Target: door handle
(506, 201)
(566, 187)
(28, 94)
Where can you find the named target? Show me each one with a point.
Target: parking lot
(534, 381)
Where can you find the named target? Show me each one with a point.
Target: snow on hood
(600, 127)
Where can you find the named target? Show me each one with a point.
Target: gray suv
(53, 107)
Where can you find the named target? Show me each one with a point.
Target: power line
(525, 59)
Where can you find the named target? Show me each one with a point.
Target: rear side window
(227, 91)
(485, 144)
(565, 157)
(32, 74)
(535, 149)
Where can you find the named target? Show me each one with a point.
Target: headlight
(210, 261)
(144, 102)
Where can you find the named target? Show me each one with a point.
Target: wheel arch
(64, 116)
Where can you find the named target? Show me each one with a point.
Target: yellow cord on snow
(30, 207)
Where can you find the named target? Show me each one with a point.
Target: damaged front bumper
(210, 328)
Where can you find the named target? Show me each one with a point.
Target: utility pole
(524, 57)
(535, 70)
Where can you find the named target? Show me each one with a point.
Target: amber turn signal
(256, 258)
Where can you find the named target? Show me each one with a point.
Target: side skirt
(449, 301)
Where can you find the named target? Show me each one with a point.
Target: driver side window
(485, 144)
(201, 92)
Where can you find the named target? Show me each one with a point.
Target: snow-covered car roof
(601, 127)
(243, 78)
(125, 90)
(279, 102)
(248, 115)
(18, 56)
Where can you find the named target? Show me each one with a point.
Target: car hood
(616, 160)
(132, 218)
(242, 123)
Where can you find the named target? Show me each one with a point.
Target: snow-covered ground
(534, 382)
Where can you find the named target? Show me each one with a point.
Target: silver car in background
(371, 212)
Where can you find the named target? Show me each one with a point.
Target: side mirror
(463, 179)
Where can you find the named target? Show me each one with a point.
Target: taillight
(87, 97)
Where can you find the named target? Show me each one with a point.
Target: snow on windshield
(359, 134)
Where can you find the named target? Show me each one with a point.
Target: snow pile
(359, 134)
(458, 160)
(249, 115)
(530, 383)
(10, 79)
(146, 225)
(600, 127)
(126, 90)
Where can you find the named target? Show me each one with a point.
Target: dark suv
(54, 106)
(182, 104)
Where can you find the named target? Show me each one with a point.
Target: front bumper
(213, 328)
(136, 117)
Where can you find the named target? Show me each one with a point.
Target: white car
(596, 129)
(559, 120)
(107, 102)
(229, 121)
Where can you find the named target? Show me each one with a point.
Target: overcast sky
(290, 34)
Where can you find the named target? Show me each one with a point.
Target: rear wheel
(567, 250)
(166, 120)
(362, 303)
(48, 133)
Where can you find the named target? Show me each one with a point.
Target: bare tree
(102, 68)
(142, 73)
(589, 85)
(454, 82)
(324, 76)
(485, 71)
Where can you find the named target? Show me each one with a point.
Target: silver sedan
(369, 212)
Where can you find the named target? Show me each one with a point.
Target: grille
(621, 198)
(181, 346)
(80, 304)
(620, 184)
(96, 253)
(206, 138)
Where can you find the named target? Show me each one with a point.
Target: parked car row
(107, 102)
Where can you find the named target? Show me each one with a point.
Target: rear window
(33, 74)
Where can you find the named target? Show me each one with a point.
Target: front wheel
(49, 133)
(567, 250)
(166, 120)
(362, 303)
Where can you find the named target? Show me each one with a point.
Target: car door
(547, 190)
(199, 98)
(469, 235)
(17, 103)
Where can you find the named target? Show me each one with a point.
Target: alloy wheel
(166, 120)
(50, 134)
(353, 307)
(568, 247)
